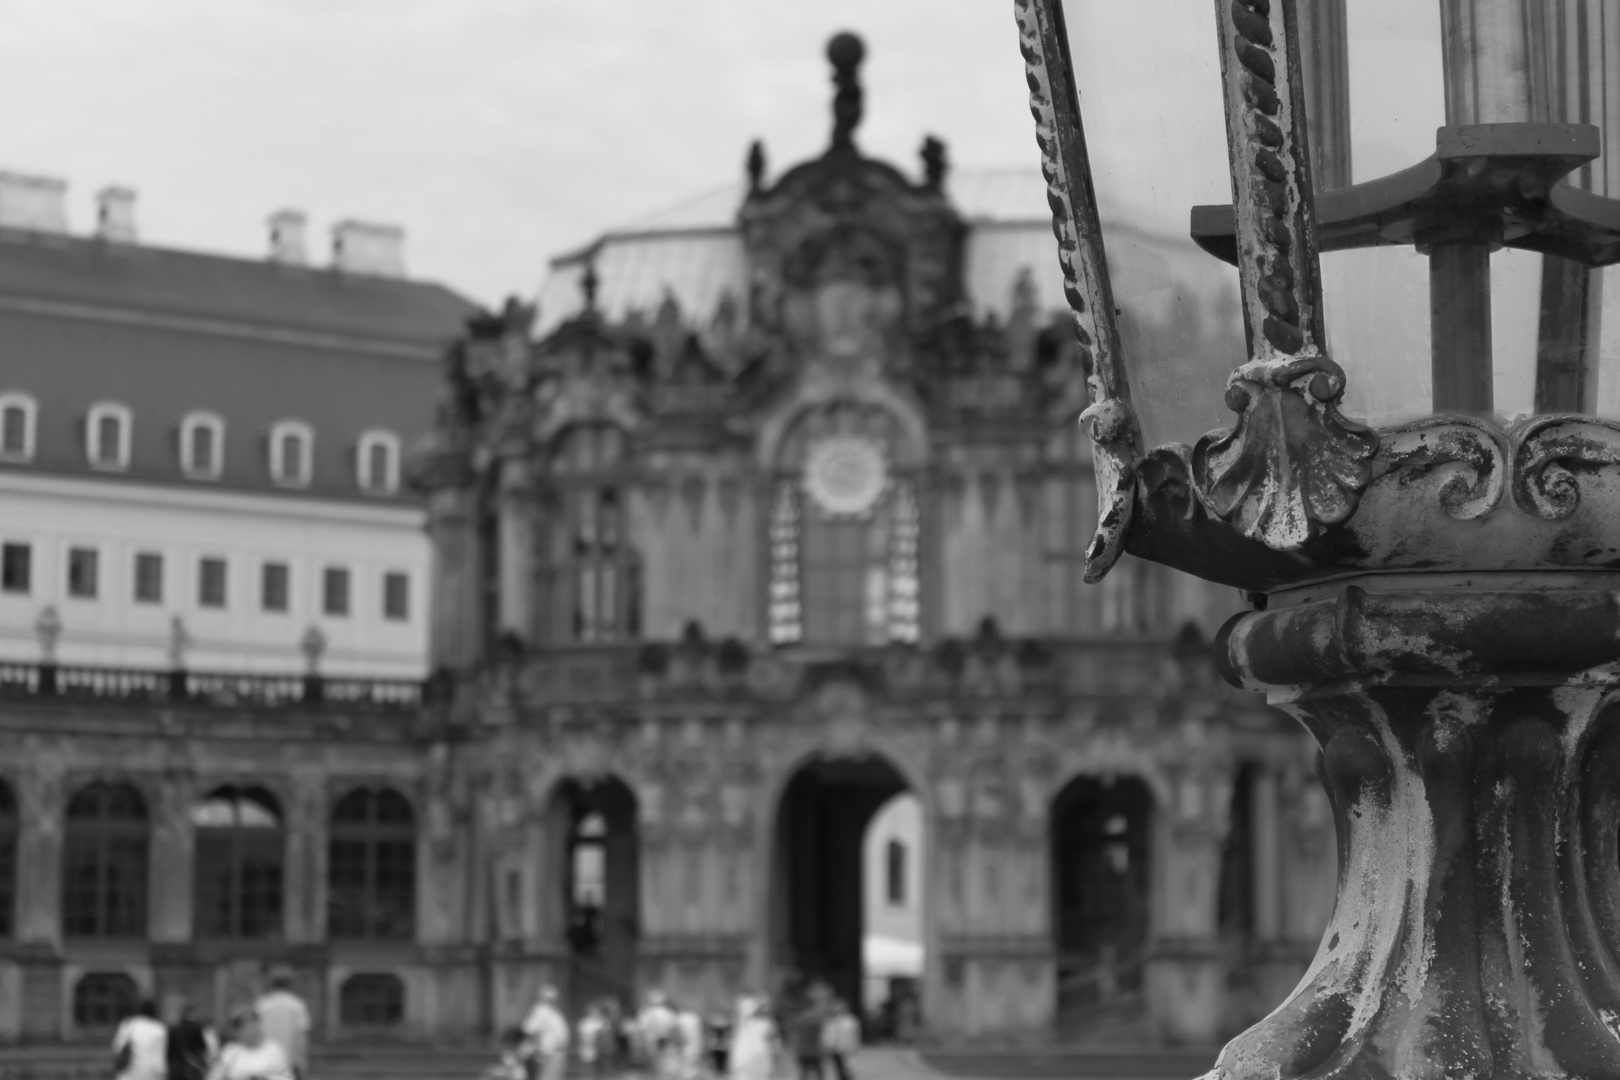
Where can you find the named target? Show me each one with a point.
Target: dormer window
(107, 436)
(379, 462)
(17, 412)
(292, 446)
(202, 445)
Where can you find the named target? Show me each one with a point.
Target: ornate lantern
(1434, 584)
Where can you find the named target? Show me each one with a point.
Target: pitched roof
(169, 332)
(692, 251)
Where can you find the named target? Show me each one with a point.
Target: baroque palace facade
(713, 582)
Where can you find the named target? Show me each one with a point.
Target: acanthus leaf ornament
(1116, 438)
(1293, 462)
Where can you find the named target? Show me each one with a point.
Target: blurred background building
(758, 643)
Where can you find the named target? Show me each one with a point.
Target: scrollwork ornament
(1466, 453)
(1293, 462)
(1551, 453)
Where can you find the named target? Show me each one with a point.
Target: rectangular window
(16, 568)
(895, 873)
(148, 577)
(273, 587)
(396, 597)
(82, 567)
(335, 591)
(211, 583)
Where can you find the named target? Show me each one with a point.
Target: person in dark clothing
(808, 1026)
(188, 1053)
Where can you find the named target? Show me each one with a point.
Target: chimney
(287, 237)
(36, 203)
(115, 214)
(360, 247)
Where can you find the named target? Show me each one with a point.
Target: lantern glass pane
(1151, 104)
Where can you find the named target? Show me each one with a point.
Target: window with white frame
(202, 445)
(106, 435)
(379, 462)
(292, 448)
(17, 412)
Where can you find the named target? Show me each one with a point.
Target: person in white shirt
(141, 1045)
(285, 1019)
(657, 1022)
(251, 1055)
(689, 1033)
(547, 1030)
(841, 1038)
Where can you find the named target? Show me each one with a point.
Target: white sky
(503, 132)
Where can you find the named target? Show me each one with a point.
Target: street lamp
(1434, 587)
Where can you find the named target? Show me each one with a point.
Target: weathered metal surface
(1293, 463)
(1469, 747)
(1502, 183)
(1055, 103)
(1435, 503)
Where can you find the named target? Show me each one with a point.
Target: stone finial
(312, 645)
(846, 51)
(934, 163)
(48, 630)
(179, 642)
(756, 166)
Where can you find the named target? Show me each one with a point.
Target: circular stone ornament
(845, 475)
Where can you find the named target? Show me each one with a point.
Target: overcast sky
(503, 132)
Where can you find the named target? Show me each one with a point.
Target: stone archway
(1101, 850)
(595, 843)
(818, 880)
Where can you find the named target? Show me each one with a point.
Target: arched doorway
(822, 890)
(594, 828)
(1101, 854)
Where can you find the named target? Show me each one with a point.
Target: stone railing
(206, 688)
(984, 667)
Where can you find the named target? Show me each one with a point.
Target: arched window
(104, 860)
(202, 445)
(102, 998)
(107, 436)
(237, 875)
(379, 462)
(1100, 832)
(8, 862)
(371, 867)
(17, 413)
(593, 571)
(292, 451)
(371, 1001)
(844, 533)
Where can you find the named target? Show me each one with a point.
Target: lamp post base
(1471, 749)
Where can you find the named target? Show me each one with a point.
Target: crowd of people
(267, 1040)
(811, 1035)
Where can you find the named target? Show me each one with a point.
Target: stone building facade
(708, 592)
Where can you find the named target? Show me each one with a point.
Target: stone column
(1267, 855)
(458, 600)
(1470, 741)
(41, 801)
(304, 880)
(517, 510)
(1186, 969)
(169, 918)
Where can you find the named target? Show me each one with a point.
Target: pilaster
(169, 914)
